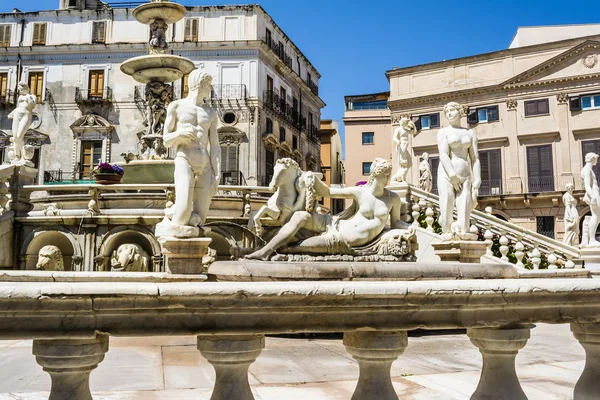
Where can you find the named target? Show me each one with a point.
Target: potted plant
(106, 174)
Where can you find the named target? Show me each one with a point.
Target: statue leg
(464, 204)
(287, 232)
(594, 225)
(202, 196)
(447, 198)
(184, 180)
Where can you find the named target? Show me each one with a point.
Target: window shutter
(533, 162)
(543, 107)
(43, 33)
(417, 122)
(232, 162)
(434, 120)
(495, 168)
(36, 33)
(575, 103)
(546, 160)
(493, 114)
(472, 117)
(434, 162)
(5, 35)
(484, 162)
(100, 87)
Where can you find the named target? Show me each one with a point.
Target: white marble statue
(22, 117)
(191, 128)
(571, 217)
(401, 139)
(591, 198)
(459, 172)
(372, 207)
(130, 258)
(50, 259)
(426, 178)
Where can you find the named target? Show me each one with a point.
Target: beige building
(332, 164)
(535, 109)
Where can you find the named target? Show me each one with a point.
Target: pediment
(579, 62)
(32, 137)
(91, 123)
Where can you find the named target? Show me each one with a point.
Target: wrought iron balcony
(285, 111)
(218, 93)
(102, 95)
(279, 50)
(313, 87)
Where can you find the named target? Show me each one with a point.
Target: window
(269, 83)
(591, 101)
(592, 146)
(269, 126)
(434, 162)
(308, 78)
(545, 226)
(368, 105)
(483, 114)
(191, 30)
(268, 38)
(536, 107)
(96, 85)
(281, 134)
(5, 35)
(269, 166)
(36, 85)
(99, 32)
(294, 142)
(428, 121)
(367, 137)
(3, 85)
(229, 165)
(39, 34)
(282, 99)
(184, 86)
(491, 173)
(539, 169)
(366, 168)
(91, 156)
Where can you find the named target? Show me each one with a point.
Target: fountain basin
(148, 171)
(168, 12)
(157, 67)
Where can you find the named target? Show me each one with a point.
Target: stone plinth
(590, 257)
(463, 251)
(20, 202)
(184, 256)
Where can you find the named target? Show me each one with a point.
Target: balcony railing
(7, 97)
(233, 178)
(218, 93)
(93, 95)
(284, 110)
(57, 177)
(373, 316)
(313, 87)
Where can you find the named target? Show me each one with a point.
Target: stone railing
(71, 323)
(522, 244)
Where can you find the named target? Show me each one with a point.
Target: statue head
(200, 81)
(285, 170)
(131, 258)
(407, 125)
(570, 187)
(50, 259)
(591, 158)
(23, 87)
(380, 169)
(452, 111)
(425, 156)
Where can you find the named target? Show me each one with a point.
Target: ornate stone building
(89, 112)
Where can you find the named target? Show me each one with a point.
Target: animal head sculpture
(285, 170)
(50, 259)
(130, 258)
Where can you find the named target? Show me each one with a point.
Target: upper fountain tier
(158, 66)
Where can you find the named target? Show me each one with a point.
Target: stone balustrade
(71, 324)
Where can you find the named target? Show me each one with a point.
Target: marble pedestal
(184, 256)
(463, 251)
(591, 258)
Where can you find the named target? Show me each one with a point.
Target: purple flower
(106, 168)
(118, 170)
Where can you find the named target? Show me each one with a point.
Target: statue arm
(396, 137)
(475, 163)
(215, 149)
(587, 183)
(170, 136)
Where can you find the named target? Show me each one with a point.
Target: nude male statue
(592, 197)
(191, 128)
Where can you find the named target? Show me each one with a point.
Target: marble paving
(435, 366)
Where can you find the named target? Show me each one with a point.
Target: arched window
(282, 134)
(269, 126)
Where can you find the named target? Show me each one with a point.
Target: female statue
(592, 199)
(426, 179)
(401, 139)
(22, 117)
(459, 172)
(571, 217)
(360, 224)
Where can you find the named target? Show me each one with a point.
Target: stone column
(511, 163)
(231, 357)
(69, 363)
(588, 385)
(499, 348)
(375, 352)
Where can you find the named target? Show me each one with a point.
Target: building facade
(532, 107)
(332, 164)
(88, 111)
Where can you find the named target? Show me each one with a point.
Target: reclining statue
(358, 230)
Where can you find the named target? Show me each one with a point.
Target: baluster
(429, 218)
(375, 352)
(536, 258)
(499, 348)
(552, 259)
(488, 210)
(520, 253)
(504, 247)
(416, 212)
(569, 264)
(588, 385)
(231, 357)
(488, 235)
(69, 363)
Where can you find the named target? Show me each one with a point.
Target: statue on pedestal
(571, 217)
(426, 178)
(459, 173)
(191, 128)
(591, 198)
(401, 139)
(22, 117)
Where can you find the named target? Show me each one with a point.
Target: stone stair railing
(512, 238)
(231, 319)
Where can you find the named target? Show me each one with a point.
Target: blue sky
(352, 44)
